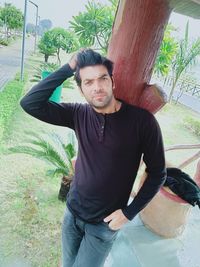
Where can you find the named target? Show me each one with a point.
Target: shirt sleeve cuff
(127, 214)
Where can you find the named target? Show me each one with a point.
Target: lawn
(172, 119)
(31, 214)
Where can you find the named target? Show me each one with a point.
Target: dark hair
(89, 57)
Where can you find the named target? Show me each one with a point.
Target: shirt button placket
(101, 132)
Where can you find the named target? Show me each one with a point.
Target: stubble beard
(99, 105)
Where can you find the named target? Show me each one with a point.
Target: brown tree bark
(137, 34)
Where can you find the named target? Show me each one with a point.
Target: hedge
(9, 99)
(193, 125)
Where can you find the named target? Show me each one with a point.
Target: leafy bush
(166, 53)
(50, 67)
(193, 125)
(52, 149)
(55, 40)
(9, 98)
(94, 26)
(69, 83)
(4, 42)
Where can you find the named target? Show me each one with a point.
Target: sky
(180, 21)
(61, 11)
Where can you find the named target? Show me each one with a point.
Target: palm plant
(50, 67)
(185, 57)
(52, 149)
(94, 26)
(166, 53)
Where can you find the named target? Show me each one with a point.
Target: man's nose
(97, 86)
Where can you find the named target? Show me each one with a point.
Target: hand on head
(73, 59)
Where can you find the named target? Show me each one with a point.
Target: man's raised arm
(36, 102)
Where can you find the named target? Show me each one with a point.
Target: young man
(112, 137)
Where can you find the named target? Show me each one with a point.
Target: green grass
(193, 125)
(9, 97)
(31, 215)
(172, 121)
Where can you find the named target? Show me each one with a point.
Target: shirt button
(102, 126)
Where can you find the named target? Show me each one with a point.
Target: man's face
(97, 86)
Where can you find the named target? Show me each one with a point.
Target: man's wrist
(73, 69)
(126, 214)
(73, 62)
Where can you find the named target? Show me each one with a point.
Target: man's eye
(88, 83)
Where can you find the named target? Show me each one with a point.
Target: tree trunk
(46, 57)
(58, 55)
(179, 96)
(172, 91)
(137, 34)
(7, 34)
(64, 188)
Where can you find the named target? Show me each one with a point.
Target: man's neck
(114, 106)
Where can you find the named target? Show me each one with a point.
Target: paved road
(10, 59)
(137, 246)
(186, 99)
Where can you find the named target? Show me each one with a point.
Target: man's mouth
(99, 96)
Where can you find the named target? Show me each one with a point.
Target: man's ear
(113, 83)
(80, 90)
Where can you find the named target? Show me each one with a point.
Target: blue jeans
(85, 244)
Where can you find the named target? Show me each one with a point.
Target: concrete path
(10, 59)
(137, 246)
(189, 101)
(186, 99)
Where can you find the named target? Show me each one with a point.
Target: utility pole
(36, 24)
(24, 35)
(23, 41)
(39, 25)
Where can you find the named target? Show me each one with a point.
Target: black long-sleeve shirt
(110, 149)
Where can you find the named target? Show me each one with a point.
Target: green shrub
(69, 83)
(4, 42)
(50, 67)
(9, 99)
(193, 125)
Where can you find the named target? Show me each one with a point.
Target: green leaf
(94, 26)
(50, 148)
